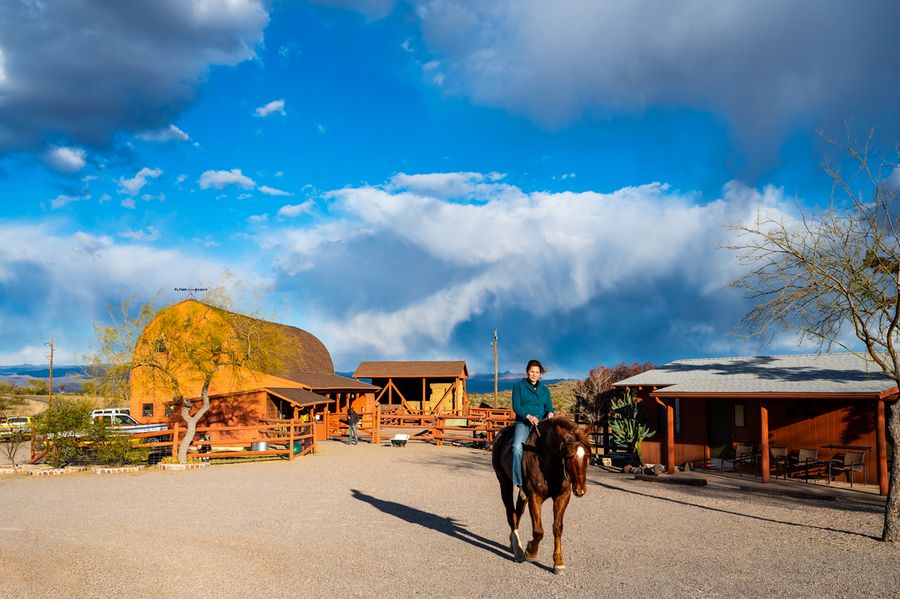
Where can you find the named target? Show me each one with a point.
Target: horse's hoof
(516, 547)
(559, 570)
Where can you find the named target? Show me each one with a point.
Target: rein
(562, 458)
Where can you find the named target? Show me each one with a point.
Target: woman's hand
(550, 415)
(532, 419)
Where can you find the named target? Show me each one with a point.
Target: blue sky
(400, 178)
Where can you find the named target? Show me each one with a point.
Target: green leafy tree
(63, 425)
(833, 275)
(114, 448)
(626, 425)
(182, 349)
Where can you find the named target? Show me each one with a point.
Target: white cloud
(279, 174)
(181, 179)
(128, 203)
(450, 185)
(559, 61)
(81, 274)
(275, 106)
(256, 219)
(550, 256)
(273, 192)
(146, 69)
(220, 179)
(292, 210)
(141, 235)
(3, 76)
(320, 128)
(61, 200)
(65, 159)
(170, 133)
(134, 185)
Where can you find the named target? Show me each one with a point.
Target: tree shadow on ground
(734, 513)
(441, 524)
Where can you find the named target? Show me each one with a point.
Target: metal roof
(412, 369)
(298, 396)
(839, 373)
(331, 382)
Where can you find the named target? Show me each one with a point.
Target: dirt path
(364, 521)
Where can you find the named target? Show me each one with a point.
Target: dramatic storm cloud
(83, 69)
(610, 270)
(762, 64)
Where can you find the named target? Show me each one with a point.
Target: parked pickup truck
(15, 424)
(121, 421)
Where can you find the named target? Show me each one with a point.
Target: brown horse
(554, 463)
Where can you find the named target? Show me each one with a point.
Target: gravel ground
(370, 521)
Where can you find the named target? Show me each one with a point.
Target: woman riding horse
(530, 397)
(554, 466)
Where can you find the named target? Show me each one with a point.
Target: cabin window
(738, 415)
(169, 409)
(160, 346)
(147, 410)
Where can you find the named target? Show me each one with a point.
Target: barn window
(738, 414)
(169, 409)
(147, 410)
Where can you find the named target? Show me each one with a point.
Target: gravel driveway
(370, 521)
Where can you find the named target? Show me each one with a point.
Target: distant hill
(66, 377)
(561, 390)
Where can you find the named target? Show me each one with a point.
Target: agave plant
(626, 426)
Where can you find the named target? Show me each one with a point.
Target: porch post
(670, 438)
(764, 442)
(881, 447)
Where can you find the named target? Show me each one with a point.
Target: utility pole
(50, 390)
(494, 344)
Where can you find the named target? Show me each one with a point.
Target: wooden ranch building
(419, 387)
(832, 402)
(303, 385)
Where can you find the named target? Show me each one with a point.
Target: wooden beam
(670, 439)
(881, 447)
(764, 442)
(436, 408)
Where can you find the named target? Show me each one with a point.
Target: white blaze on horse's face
(576, 468)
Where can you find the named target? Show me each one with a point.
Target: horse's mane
(569, 428)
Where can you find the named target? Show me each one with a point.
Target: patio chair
(806, 460)
(778, 460)
(740, 454)
(849, 462)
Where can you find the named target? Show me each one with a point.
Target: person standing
(352, 420)
(531, 403)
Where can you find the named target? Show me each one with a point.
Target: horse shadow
(442, 524)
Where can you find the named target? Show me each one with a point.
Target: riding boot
(521, 494)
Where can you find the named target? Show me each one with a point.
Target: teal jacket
(531, 400)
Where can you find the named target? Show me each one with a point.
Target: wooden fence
(473, 425)
(279, 437)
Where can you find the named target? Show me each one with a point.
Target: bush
(625, 424)
(114, 448)
(62, 423)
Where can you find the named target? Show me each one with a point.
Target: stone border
(188, 466)
(56, 471)
(116, 469)
(9, 469)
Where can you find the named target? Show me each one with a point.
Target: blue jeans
(354, 438)
(520, 433)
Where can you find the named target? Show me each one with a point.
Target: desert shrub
(114, 448)
(63, 423)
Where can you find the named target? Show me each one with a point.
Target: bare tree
(181, 351)
(833, 276)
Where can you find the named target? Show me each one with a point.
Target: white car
(119, 420)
